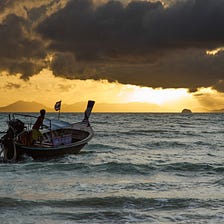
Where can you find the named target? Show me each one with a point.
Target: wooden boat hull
(79, 139)
(45, 153)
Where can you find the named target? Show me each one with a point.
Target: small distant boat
(58, 137)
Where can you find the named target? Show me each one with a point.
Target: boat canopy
(50, 124)
(56, 124)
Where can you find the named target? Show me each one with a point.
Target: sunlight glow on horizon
(45, 88)
(157, 96)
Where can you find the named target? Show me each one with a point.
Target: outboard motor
(17, 125)
(8, 140)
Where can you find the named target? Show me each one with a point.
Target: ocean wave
(114, 202)
(192, 167)
(138, 168)
(102, 146)
(71, 164)
(168, 144)
(219, 182)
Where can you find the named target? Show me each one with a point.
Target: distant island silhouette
(186, 111)
(22, 106)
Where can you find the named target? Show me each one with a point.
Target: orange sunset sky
(167, 55)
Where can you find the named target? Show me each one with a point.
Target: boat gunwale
(57, 147)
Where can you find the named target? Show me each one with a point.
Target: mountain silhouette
(22, 106)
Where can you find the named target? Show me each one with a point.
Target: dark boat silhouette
(58, 138)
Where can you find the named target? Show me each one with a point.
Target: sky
(168, 54)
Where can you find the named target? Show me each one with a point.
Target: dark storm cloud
(110, 30)
(113, 29)
(21, 49)
(193, 23)
(19, 52)
(15, 34)
(140, 42)
(143, 42)
(63, 63)
(182, 68)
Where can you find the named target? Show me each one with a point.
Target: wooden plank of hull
(44, 153)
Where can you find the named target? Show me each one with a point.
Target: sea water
(138, 168)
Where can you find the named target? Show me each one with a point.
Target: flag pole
(57, 107)
(59, 112)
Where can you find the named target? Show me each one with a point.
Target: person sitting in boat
(36, 134)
